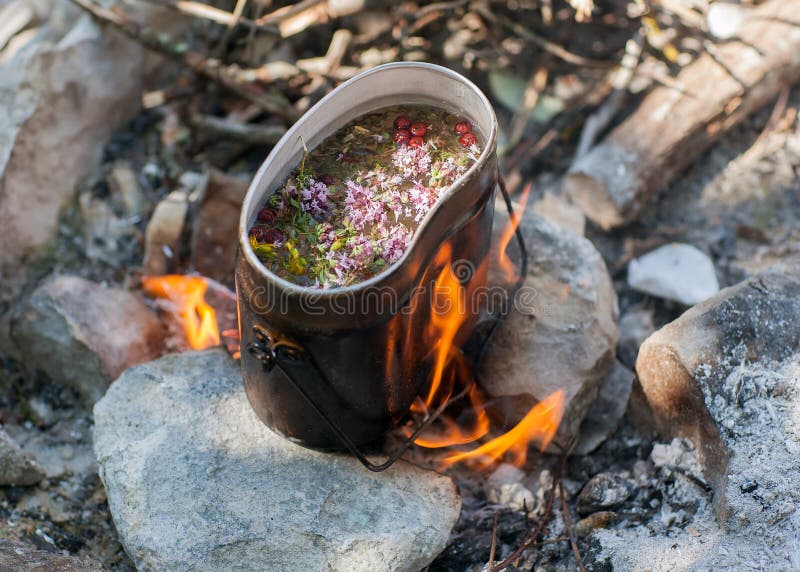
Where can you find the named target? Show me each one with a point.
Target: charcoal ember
(192, 475)
(604, 491)
(471, 538)
(16, 468)
(84, 335)
(18, 556)
(561, 332)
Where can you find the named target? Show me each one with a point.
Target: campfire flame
(186, 301)
(449, 312)
(505, 263)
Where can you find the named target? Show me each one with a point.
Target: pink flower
(315, 199)
(361, 208)
(414, 162)
(395, 243)
(423, 199)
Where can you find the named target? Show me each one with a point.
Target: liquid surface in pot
(350, 209)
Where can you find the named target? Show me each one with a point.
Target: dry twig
(212, 14)
(570, 531)
(252, 134)
(530, 538)
(494, 544)
(208, 67)
(548, 46)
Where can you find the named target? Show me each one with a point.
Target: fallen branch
(212, 14)
(614, 181)
(252, 134)
(548, 46)
(208, 67)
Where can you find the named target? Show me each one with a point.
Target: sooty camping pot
(323, 367)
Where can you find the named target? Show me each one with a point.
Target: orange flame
(505, 263)
(449, 312)
(186, 295)
(539, 424)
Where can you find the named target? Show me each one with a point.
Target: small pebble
(603, 491)
(587, 525)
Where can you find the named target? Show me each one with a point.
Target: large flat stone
(196, 482)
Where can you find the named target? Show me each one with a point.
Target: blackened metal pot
(333, 368)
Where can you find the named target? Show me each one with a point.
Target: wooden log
(672, 127)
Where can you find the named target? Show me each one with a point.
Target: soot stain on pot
(350, 209)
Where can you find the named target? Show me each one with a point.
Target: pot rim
(321, 294)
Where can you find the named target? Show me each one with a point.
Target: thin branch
(494, 544)
(544, 43)
(251, 134)
(530, 538)
(208, 67)
(440, 7)
(570, 531)
(212, 14)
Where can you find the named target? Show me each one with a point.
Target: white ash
(504, 486)
(758, 410)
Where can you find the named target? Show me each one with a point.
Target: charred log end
(607, 196)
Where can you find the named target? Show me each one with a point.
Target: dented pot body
(363, 352)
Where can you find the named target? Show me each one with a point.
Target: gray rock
(561, 332)
(84, 335)
(679, 272)
(62, 94)
(16, 466)
(635, 326)
(23, 557)
(603, 491)
(558, 210)
(196, 481)
(605, 413)
(698, 372)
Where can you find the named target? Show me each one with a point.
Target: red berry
(267, 215)
(402, 122)
(326, 179)
(419, 129)
(401, 136)
(258, 232)
(272, 236)
(462, 127)
(416, 141)
(467, 140)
